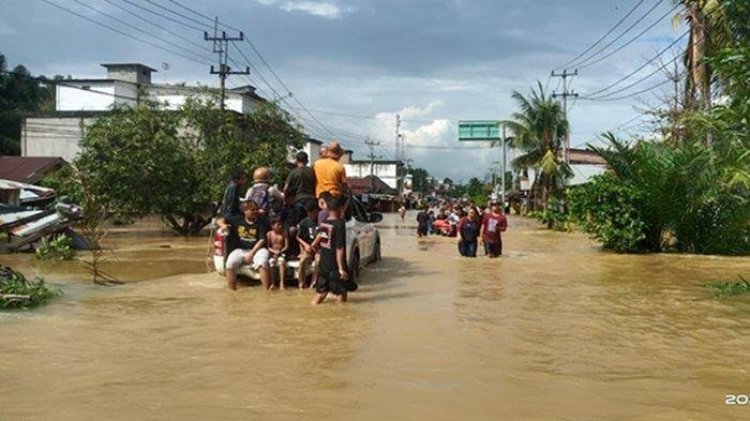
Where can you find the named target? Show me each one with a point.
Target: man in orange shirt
(330, 175)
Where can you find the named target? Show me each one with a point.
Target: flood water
(555, 329)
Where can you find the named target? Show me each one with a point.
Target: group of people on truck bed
(267, 227)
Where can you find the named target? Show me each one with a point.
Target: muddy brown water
(555, 329)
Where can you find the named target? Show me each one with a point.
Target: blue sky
(432, 61)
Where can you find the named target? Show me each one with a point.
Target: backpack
(259, 195)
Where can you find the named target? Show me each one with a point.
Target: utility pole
(503, 175)
(221, 47)
(398, 137)
(565, 94)
(371, 144)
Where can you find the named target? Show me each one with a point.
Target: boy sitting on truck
(246, 242)
(278, 242)
(306, 230)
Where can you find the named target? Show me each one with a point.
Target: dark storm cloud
(440, 60)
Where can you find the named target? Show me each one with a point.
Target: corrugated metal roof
(27, 169)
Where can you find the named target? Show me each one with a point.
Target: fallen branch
(15, 297)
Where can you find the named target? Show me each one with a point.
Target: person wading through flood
(333, 276)
(493, 224)
(423, 219)
(468, 232)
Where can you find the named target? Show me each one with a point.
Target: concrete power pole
(565, 94)
(398, 137)
(371, 144)
(221, 47)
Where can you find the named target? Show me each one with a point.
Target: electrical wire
(127, 24)
(657, 56)
(640, 34)
(602, 37)
(120, 32)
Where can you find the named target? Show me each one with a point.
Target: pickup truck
(362, 244)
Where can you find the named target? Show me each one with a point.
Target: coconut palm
(709, 32)
(539, 128)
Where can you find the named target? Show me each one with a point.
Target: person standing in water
(493, 224)
(468, 232)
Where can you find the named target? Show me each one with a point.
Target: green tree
(539, 128)
(145, 160)
(20, 92)
(420, 180)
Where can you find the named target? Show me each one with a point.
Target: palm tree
(709, 32)
(539, 129)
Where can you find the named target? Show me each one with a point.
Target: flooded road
(555, 329)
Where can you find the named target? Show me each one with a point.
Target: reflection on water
(555, 329)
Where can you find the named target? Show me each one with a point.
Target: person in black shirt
(246, 244)
(306, 231)
(423, 219)
(468, 231)
(333, 276)
(299, 190)
(230, 204)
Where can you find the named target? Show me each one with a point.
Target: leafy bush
(59, 248)
(18, 292)
(727, 289)
(556, 216)
(609, 210)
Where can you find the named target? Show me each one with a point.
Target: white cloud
(322, 8)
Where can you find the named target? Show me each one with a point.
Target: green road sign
(478, 130)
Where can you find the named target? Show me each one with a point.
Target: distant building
(388, 171)
(79, 102)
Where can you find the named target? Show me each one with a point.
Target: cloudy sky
(355, 64)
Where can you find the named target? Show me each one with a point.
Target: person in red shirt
(493, 223)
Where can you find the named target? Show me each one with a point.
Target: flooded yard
(555, 329)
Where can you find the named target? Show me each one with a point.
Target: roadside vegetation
(724, 289)
(18, 292)
(145, 160)
(687, 191)
(57, 248)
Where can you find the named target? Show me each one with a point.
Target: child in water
(333, 276)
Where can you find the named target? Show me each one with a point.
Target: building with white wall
(79, 102)
(388, 171)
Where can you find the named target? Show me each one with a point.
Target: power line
(603, 36)
(632, 94)
(130, 12)
(127, 24)
(120, 32)
(365, 117)
(640, 34)
(617, 38)
(592, 94)
(174, 13)
(262, 58)
(169, 18)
